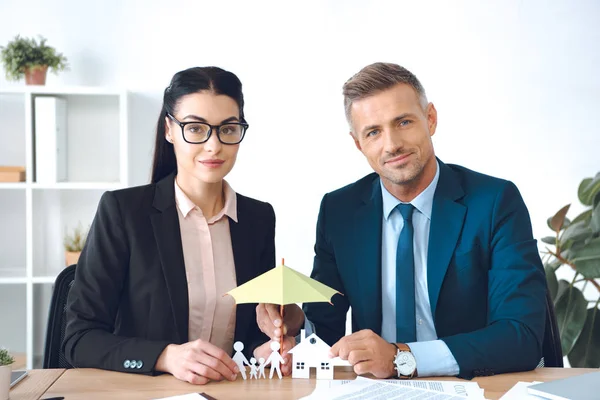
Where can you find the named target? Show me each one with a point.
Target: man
(437, 262)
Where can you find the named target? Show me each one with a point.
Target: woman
(149, 285)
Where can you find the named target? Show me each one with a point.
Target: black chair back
(57, 321)
(551, 348)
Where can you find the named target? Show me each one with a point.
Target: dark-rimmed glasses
(199, 132)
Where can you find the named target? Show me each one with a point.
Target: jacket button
(127, 363)
(139, 364)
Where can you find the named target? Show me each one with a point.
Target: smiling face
(394, 133)
(211, 161)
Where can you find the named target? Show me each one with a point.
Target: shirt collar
(423, 202)
(186, 205)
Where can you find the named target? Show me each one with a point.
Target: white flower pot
(5, 381)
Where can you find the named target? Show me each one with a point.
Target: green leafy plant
(577, 245)
(5, 358)
(74, 242)
(22, 54)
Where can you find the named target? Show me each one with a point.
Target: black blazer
(130, 297)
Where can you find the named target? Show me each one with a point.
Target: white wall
(516, 85)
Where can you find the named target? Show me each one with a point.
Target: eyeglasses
(199, 132)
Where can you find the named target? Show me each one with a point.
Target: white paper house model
(312, 352)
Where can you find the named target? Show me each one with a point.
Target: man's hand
(197, 362)
(367, 352)
(269, 320)
(264, 351)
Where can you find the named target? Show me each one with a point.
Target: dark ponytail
(192, 80)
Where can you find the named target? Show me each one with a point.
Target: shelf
(13, 185)
(44, 279)
(63, 185)
(79, 185)
(63, 90)
(12, 281)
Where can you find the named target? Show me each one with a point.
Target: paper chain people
(256, 371)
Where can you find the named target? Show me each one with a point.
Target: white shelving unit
(34, 217)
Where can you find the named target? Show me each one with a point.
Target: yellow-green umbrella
(282, 285)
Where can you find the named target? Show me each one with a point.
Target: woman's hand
(197, 362)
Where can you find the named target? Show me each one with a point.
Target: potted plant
(5, 369)
(74, 244)
(576, 244)
(26, 57)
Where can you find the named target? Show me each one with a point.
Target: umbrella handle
(281, 337)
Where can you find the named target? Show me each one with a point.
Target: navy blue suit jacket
(485, 278)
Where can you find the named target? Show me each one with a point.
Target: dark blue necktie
(406, 330)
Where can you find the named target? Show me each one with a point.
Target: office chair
(551, 348)
(55, 331)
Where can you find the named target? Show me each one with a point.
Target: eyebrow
(397, 119)
(200, 119)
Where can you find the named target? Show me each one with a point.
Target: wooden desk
(95, 384)
(35, 384)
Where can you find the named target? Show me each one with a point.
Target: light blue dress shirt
(432, 355)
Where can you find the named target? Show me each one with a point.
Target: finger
(286, 369)
(274, 314)
(220, 355)
(204, 370)
(350, 345)
(364, 367)
(264, 321)
(335, 349)
(195, 379)
(262, 351)
(357, 356)
(217, 366)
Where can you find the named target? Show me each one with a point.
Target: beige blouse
(209, 268)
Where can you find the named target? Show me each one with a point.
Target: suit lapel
(243, 256)
(168, 239)
(367, 250)
(447, 218)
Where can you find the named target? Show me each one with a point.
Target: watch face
(405, 363)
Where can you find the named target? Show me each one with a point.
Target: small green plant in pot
(576, 245)
(29, 58)
(74, 243)
(5, 369)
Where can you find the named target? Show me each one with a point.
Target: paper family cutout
(311, 352)
(283, 285)
(275, 359)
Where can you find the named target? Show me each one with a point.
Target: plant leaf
(556, 222)
(584, 216)
(587, 259)
(576, 232)
(586, 351)
(552, 281)
(595, 221)
(563, 285)
(571, 314)
(549, 240)
(588, 188)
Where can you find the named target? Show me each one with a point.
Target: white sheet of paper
(189, 396)
(457, 388)
(363, 389)
(519, 392)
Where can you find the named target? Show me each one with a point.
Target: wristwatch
(404, 362)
